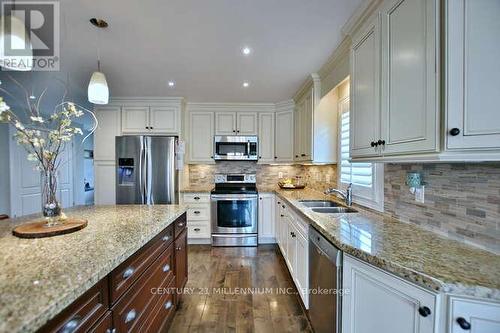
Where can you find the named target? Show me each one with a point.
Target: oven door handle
(234, 197)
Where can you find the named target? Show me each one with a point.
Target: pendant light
(98, 91)
(12, 29)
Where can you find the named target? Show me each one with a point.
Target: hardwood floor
(214, 303)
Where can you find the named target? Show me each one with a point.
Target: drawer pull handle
(130, 316)
(166, 268)
(129, 271)
(178, 248)
(464, 324)
(424, 311)
(196, 198)
(71, 325)
(197, 212)
(165, 238)
(109, 330)
(168, 305)
(196, 229)
(180, 224)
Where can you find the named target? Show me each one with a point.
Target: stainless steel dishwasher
(325, 278)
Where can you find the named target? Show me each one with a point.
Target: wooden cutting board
(39, 229)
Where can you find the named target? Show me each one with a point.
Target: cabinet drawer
(83, 313)
(196, 198)
(199, 212)
(199, 230)
(161, 315)
(132, 310)
(477, 315)
(104, 325)
(129, 271)
(180, 225)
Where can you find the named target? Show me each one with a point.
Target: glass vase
(51, 208)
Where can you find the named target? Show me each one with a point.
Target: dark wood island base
(140, 295)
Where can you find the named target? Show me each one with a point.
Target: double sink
(327, 207)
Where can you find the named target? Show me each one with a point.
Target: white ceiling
(197, 43)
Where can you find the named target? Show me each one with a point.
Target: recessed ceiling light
(246, 84)
(246, 50)
(171, 84)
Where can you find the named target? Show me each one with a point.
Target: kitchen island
(40, 278)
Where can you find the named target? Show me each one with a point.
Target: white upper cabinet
(164, 119)
(225, 123)
(247, 123)
(472, 74)
(201, 136)
(108, 128)
(266, 137)
(365, 90)
(380, 302)
(410, 108)
(315, 125)
(236, 123)
(158, 119)
(135, 119)
(283, 147)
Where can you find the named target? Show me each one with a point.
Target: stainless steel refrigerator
(146, 172)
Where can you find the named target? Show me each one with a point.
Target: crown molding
(285, 105)
(337, 55)
(231, 107)
(359, 16)
(313, 80)
(147, 100)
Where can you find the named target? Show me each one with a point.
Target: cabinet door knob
(454, 131)
(180, 224)
(130, 316)
(282, 215)
(260, 157)
(197, 212)
(303, 155)
(165, 238)
(196, 229)
(379, 142)
(128, 272)
(71, 325)
(168, 305)
(166, 268)
(424, 311)
(178, 248)
(296, 155)
(196, 198)
(372, 144)
(275, 157)
(464, 324)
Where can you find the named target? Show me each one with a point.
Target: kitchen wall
(267, 175)
(462, 200)
(4, 170)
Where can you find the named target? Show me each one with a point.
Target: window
(367, 178)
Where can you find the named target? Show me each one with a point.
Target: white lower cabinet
(293, 242)
(266, 227)
(376, 301)
(198, 217)
(475, 316)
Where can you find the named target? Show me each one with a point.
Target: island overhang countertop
(41, 277)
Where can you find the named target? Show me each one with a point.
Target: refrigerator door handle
(149, 173)
(141, 171)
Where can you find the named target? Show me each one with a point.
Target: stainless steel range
(234, 210)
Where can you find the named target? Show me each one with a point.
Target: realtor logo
(30, 35)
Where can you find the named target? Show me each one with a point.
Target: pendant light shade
(98, 91)
(16, 35)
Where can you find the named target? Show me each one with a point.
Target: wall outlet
(327, 178)
(420, 194)
(280, 175)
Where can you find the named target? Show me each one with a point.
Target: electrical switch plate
(280, 175)
(420, 194)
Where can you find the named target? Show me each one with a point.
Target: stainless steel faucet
(346, 195)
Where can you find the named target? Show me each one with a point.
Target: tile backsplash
(462, 200)
(317, 176)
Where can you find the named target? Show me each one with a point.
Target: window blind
(360, 174)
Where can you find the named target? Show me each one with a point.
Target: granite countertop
(420, 256)
(41, 277)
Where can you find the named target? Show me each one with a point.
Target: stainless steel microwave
(235, 148)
